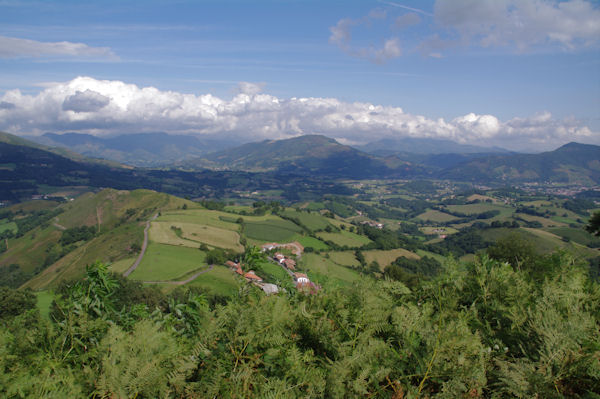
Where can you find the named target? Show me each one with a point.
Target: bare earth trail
(144, 245)
(182, 282)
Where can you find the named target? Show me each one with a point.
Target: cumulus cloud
(95, 106)
(85, 101)
(12, 47)
(521, 23)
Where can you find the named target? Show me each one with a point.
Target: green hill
(115, 218)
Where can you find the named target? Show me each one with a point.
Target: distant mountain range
(142, 149)
(308, 154)
(314, 154)
(26, 166)
(571, 163)
(414, 145)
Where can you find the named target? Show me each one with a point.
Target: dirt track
(143, 251)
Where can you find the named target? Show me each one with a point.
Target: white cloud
(95, 106)
(516, 25)
(12, 47)
(521, 23)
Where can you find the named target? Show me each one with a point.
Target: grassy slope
(168, 262)
(117, 233)
(326, 272)
(436, 216)
(220, 281)
(385, 258)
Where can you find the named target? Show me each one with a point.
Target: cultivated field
(167, 262)
(277, 230)
(344, 237)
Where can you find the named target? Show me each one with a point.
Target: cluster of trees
(485, 329)
(76, 234)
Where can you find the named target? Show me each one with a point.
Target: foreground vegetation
(485, 329)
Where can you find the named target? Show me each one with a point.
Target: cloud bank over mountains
(85, 104)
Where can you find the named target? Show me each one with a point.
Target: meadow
(313, 221)
(327, 273)
(344, 237)
(277, 230)
(436, 216)
(220, 280)
(167, 262)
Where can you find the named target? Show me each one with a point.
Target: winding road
(144, 245)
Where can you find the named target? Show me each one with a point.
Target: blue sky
(522, 74)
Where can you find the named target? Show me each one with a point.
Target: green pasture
(220, 280)
(167, 262)
(277, 230)
(327, 273)
(344, 237)
(313, 221)
(312, 242)
(344, 258)
(472, 209)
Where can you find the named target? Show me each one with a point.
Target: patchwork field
(167, 262)
(385, 258)
(345, 237)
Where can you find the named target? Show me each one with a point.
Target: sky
(519, 74)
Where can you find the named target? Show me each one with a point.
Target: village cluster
(301, 280)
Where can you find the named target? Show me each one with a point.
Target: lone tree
(593, 225)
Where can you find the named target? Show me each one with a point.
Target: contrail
(390, 3)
